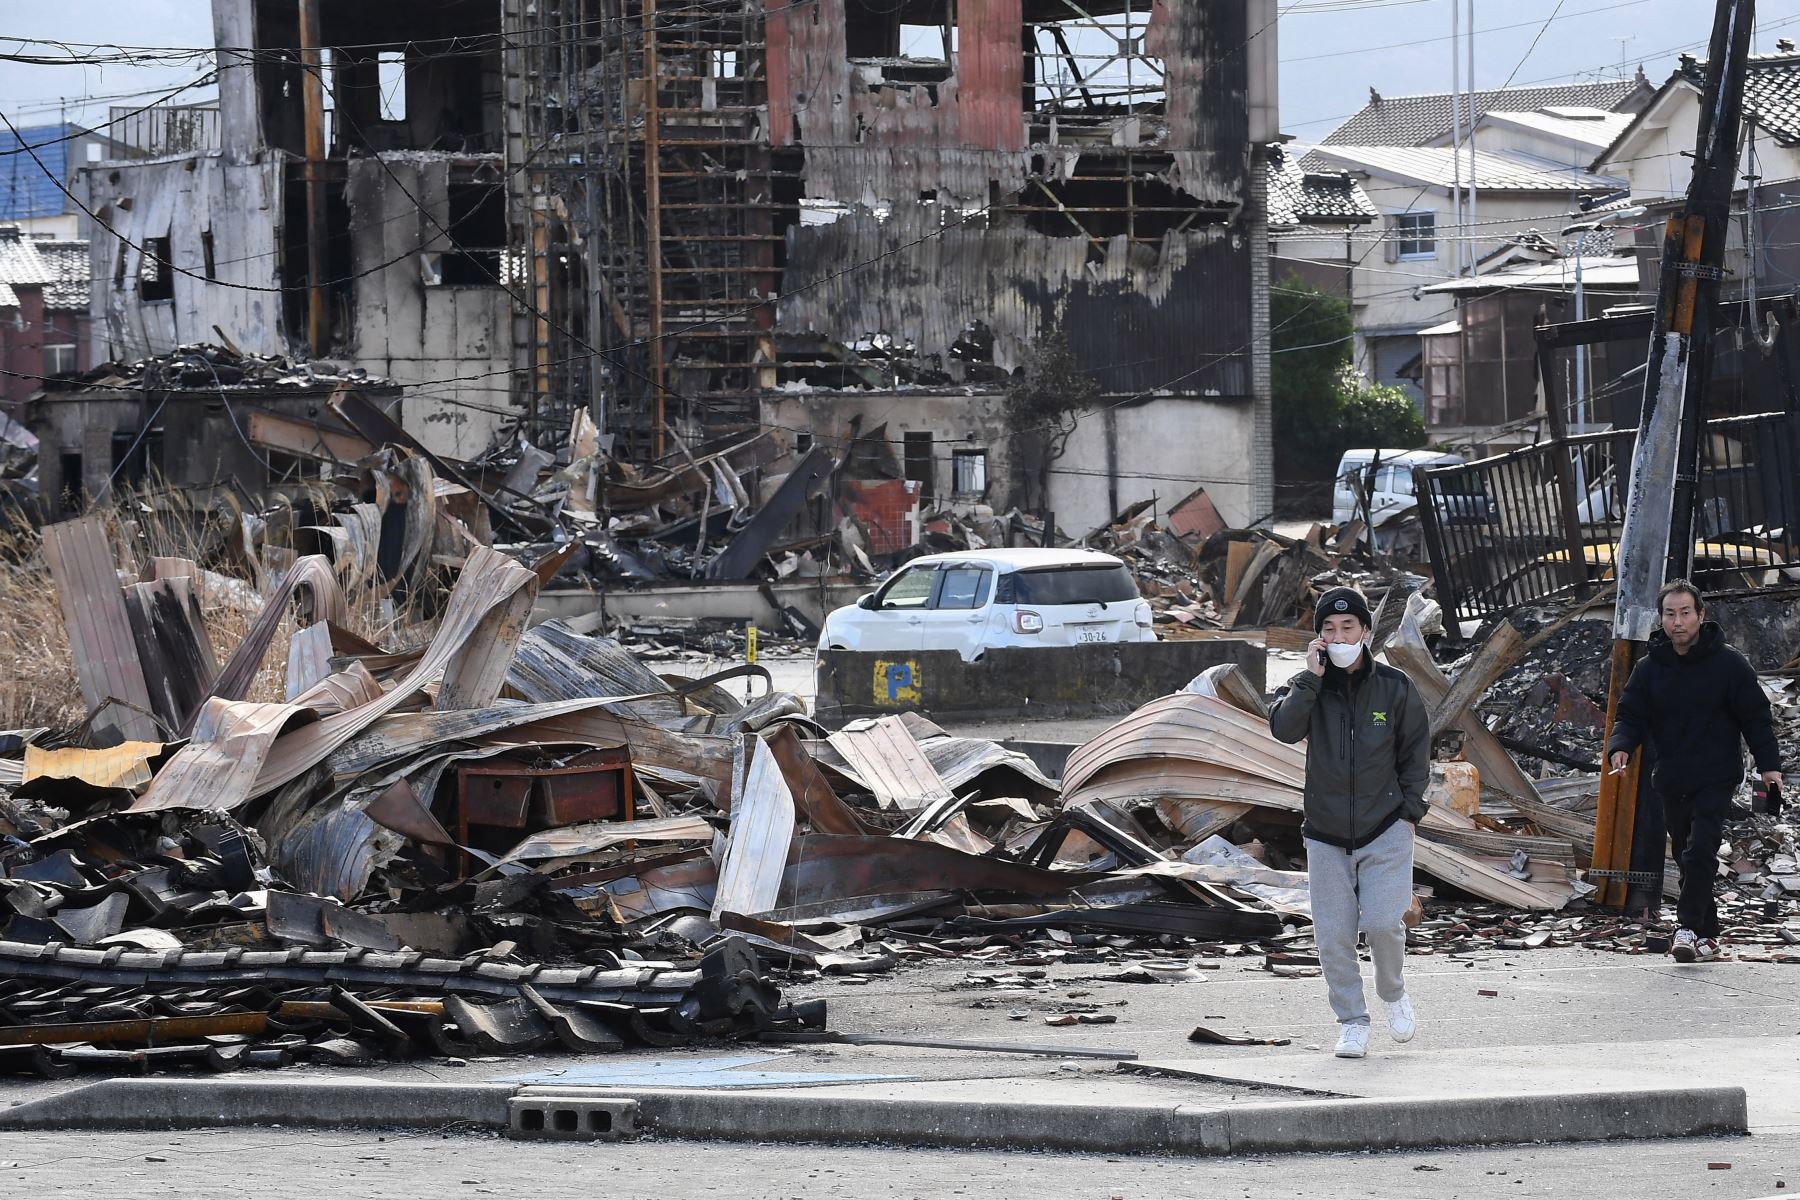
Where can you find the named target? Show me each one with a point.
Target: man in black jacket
(1368, 759)
(1690, 700)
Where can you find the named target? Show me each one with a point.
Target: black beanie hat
(1342, 600)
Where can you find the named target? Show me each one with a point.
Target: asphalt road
(271, 1164)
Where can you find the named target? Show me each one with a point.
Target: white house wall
(181, 199)
(446, 345)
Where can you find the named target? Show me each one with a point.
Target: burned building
(348, 203)
(830, 216)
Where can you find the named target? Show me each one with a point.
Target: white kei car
(973, 600)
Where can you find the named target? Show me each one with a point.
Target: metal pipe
(1456, 198)
(1474, 192)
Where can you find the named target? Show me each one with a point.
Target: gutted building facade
(834, 216)
(347, 202)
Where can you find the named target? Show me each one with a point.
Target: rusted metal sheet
(489, 582)
(573, 843)
(173, 649)
(890, 764)
(126, 765)
(762, 829)
(990, 68)
(309, 659)
(80, 559)
(476, 668)
(825, 870)
(217, 769)
(306, 439)
(813, 798)
(312, 585)
(555, 663)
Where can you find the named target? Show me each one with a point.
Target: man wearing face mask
(1368, 760)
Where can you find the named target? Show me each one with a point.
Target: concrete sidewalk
(1570, 1044)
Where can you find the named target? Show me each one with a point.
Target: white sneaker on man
(1402, 1021)
(1707, 950)
(1353, 1040)
(1686, 947)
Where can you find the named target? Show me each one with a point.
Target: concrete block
(571, 1117)
(205, 1103)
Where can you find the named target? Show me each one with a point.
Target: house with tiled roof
(1529, 153)
(1313, 219)
(43, 312)
(1653, 152)
(1423, 119)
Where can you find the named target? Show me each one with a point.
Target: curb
(1302, 1126)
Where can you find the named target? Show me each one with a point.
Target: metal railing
(1545, 521)
(166, 129)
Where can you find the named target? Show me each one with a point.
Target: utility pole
(1658, 539)
(312, 98)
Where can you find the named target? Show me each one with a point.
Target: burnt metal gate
(1545, 521)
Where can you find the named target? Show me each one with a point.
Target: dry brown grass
(40, 687)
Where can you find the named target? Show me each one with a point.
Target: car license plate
(1090, 635)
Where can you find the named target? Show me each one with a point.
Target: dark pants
(1696, 823)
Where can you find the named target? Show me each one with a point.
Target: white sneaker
(1402, 1021)
(1707, 950)
(1353, 1041)
(1686, 947)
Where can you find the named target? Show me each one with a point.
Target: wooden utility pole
(1658, 540)
(312, 100)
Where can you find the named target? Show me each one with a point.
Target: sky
(1332, 51)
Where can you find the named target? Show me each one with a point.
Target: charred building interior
(832, 216)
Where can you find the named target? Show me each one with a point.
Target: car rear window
(1068, 585)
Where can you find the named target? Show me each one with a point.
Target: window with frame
(910, 589)
(968, 472)
(1415, 234)
(59, 359)
(964, 587)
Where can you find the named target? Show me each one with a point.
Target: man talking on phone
(1690, 699)
(1368, 759)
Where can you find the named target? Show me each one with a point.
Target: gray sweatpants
(1368, 889)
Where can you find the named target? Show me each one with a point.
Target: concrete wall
(1163, 448)
(448, 345)
(1047, 682)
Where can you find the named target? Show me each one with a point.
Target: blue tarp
(25, 188)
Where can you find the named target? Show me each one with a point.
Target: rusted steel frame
(653, 222)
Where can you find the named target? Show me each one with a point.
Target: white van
(1393, 489)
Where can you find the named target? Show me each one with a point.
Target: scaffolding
(650, 212)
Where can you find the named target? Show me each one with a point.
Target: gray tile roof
(20, 263)
(1299, 197)
(69, 263)
(1771, 90)
(1436, 166)
(8, 297)
(1414, 120)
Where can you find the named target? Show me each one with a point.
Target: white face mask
(1344, 654)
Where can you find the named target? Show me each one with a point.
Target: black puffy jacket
(1691, 709)
(1368, 750)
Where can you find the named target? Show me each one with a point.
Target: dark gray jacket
(1368, 755)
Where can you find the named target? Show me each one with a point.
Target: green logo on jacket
(1380, 718)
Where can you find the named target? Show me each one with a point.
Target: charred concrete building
(833, 215)
(700, 216)
(348, 202)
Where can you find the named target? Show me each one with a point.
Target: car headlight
(1142, 615)
(1025, 621)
